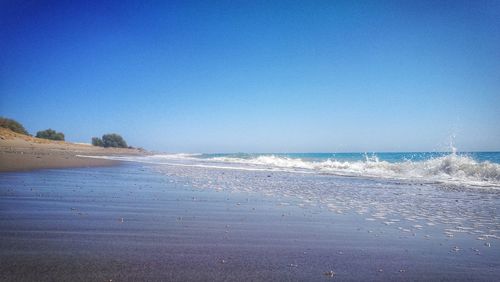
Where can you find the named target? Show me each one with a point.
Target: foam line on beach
(449, 170)
(138, 160)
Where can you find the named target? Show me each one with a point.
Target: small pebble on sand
(329, 273)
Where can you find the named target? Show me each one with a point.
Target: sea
(463, 169)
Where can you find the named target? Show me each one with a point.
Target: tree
(13, 125)
(96, 141)
(50, 134)
(113, 140)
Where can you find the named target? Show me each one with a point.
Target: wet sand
(127, 222)
(21, 152)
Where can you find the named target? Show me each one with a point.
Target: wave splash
(452, 168)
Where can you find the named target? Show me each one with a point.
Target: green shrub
(13, 125)
(110, 140)
(113, 140)
(50, 134)
(96, 141)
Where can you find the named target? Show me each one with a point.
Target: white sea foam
(452, 168)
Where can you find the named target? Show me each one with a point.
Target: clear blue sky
(256, 76)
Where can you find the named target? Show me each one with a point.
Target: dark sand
(126, 223)
(21, 152)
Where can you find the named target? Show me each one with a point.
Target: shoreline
(127, 223)
(20, 152)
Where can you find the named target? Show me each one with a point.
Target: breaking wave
(452, 168)
(449, 168)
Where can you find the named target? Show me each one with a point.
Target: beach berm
(23, 152)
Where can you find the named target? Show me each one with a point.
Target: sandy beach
(142, 222)
(22, 152)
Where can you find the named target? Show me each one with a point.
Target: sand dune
(22, 152)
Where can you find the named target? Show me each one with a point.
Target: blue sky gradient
(256, 76)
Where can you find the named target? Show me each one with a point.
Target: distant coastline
(22, 152)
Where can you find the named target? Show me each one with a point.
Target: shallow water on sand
(412, 207)
(157, 222)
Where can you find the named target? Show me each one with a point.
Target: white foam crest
(452, 168)
(179, 156)
(270, 160)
